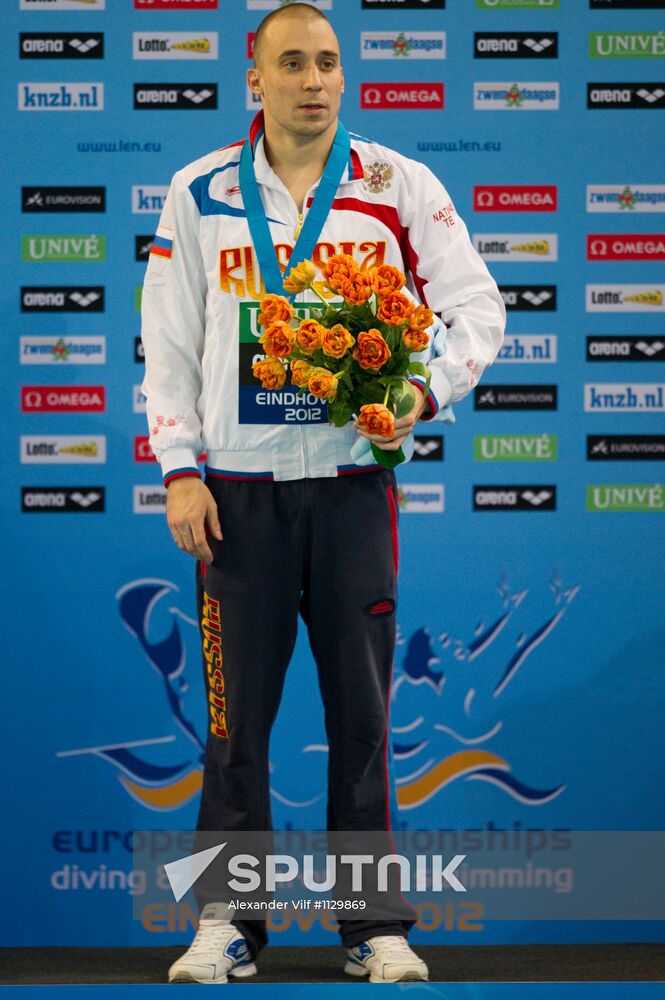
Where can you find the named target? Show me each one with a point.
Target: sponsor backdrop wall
(529, 690)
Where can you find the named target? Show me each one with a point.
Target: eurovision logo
(62, 499)
(626, 198)
(515, 198)
(515, 397)
(627, 45)
(63, 449)
(175, 96)
(628, 96)
(404, 96)
(62, 298)
(626, 497)
(620, 246)
(529, 298)
(62, 350)
(628, 397)
(83, 249)
(528, 348)
(625, 447)
(61, 97)
(61, 45)
(401, 45)
(515, 45)
(63, 199)
(537, 247)
(617, 348)
(63, 398)
(505, 96)
(174, 45)
(625, 298)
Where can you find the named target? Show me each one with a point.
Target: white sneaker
(387, 958)
(218, 950)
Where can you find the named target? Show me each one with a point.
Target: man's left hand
(403, 426)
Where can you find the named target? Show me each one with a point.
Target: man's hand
(403, 426)
(190, 506)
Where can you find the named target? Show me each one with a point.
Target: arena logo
(149, 499)
(517, 4)
(175, 96)
(515, 198)
(176, 4)
(538, 247)
(521, 497)
(61, 45)
(63, 199)
(629, 497)
(619, 246)
(515, 397)
(626, 45)
(421, 498)
(70, 350)
(142, 450)
(142, 247)
(61, 97)
(617, 348)
(529, 298)
(402, 45)
(62, 298)
(62, 499)
(148, 199)
(626, 397)
(515, 447)
(428, 448)
(629, 96)
(88, 248)
(625, 447)
(526, 96)
(515, 45)
(407, 96)
(625, 298)
(625, 198)
(403, 4)
(175, 45)
(63, 449)
(62, 4)
(63, 398)
(528, 348)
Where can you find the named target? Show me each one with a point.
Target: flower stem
(385, 398)
(318, 294)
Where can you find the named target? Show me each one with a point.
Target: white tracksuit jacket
(199, 339)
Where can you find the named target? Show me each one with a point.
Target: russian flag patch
(162, 245)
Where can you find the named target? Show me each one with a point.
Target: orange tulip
(300, 372)
(271, 372)
(371, 351)
(421, 318)
(375, 418)
(415, 340)
(386, 279)
(323, 384)
(300, 277)
(309, 335)
(278, 339)
(395, 309)
(336, 341)
(273, 308)
(357, 288)
(338, 269)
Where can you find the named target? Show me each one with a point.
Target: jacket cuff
(440, 391)
(178, 463)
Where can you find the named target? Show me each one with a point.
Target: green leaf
(388, 459)
(405, 399)
(418, 368)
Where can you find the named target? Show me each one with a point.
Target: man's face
(299, 76)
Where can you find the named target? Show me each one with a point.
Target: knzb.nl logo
(61, 97)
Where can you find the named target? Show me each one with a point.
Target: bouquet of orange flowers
(355, 355)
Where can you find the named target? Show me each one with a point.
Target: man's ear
(254, 80)
(341, 89)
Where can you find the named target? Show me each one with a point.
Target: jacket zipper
(296, 232)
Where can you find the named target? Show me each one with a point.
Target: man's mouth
(313, 106)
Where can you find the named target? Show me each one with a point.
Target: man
(286, 523)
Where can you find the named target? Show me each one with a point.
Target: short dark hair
(297, 9)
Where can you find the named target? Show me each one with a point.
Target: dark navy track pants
(324, 549)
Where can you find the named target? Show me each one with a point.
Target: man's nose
(312, 79)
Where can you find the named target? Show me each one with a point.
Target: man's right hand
(190, 506)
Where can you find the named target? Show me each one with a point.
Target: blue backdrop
(529, 683)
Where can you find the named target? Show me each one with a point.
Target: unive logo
(627, 45)
(175, 96)
(62, 350)
(625, 447)
(149, 199)
(517, 4)
(515, 447)
(401, 45)
(520, 498)
(628, 497)
(62, 298)
(62, 499)
(625, 198)
(405, 96)
(63, 199)
(515, 198)
(63, 398)
(628, 397)
(60, 96)
(62, 5)
(63, 449)
(85, 249)
(538, 247)
(420, 498)
(61, 45)
(528, 348)
(618, 348)
(515, 397)
(529, 298)
(174, 45)
(625, 298)
(515, 45)
(525, 96)
(638, 96)
(619, 246)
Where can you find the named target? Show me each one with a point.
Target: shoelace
(212, 934)
(395, 946)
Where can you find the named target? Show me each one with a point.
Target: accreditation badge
(257, 405)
